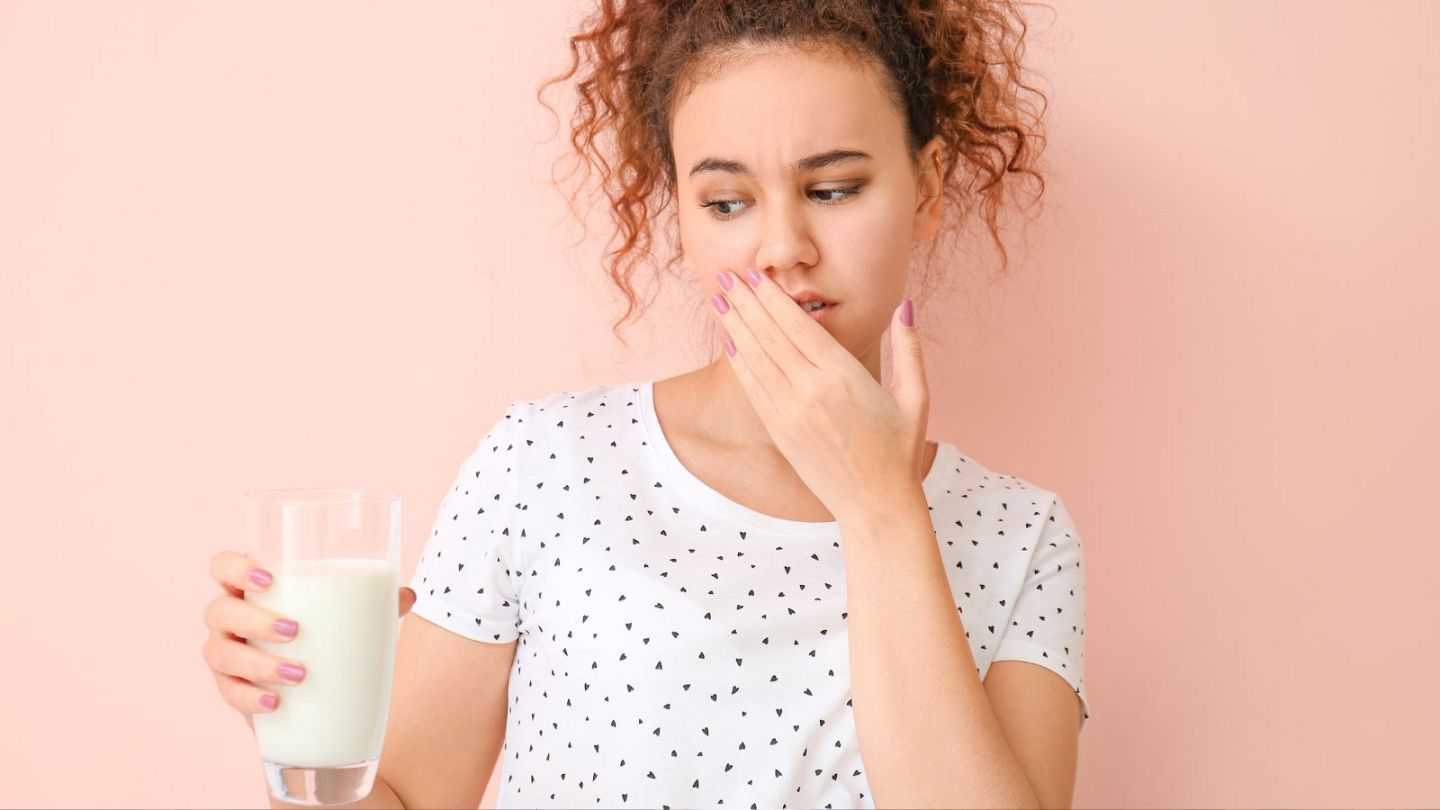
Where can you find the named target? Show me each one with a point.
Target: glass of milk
(335, 555)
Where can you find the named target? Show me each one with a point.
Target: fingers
(240, 660)
(238, 573)
(772, 356)
(232, 614)
(748, 357)
(246, 675)
(813, 342)
(245, 697)
(753, 366)
(907, 379)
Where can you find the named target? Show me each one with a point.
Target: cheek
(874, 243)
(709, 249)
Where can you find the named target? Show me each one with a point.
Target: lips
(805, 298)
(822, 313)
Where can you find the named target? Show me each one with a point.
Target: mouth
(817, 309)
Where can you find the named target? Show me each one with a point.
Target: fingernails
(287, 627)
(907, 313)
(729, 347)
(261, 577)
(269, 700)
(754, 276)
(726, 280)
(721, 305)
(291, 672)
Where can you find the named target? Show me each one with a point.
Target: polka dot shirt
(678, 649)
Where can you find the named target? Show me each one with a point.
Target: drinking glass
(335, 557)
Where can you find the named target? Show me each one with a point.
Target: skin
(1015, 733)
(803, 230)
(854, 251)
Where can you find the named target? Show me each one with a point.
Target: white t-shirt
(678, 649)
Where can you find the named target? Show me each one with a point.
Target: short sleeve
(1047, 626)
(466, 579)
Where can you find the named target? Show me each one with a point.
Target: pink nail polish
(721, 305)
(726, 280)
(754, 275)
(260, 577)
(729, 347)
(907, 313)
(287, 627)
(268, 700)
(291, 672)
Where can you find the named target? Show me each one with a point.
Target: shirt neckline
(681, 476)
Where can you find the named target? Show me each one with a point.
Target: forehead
(779, 104)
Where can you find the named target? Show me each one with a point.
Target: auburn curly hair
(953, 67)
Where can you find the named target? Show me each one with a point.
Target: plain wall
(256, 245)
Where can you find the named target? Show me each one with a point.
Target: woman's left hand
(854, 442)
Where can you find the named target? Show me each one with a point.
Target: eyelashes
(716, 206)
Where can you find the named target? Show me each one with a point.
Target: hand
(851, 440)
(238, 667)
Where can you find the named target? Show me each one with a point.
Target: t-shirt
(679, 649)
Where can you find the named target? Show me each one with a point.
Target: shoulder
(555, 416)
(573, 399)
(967, 489)
(964, 474)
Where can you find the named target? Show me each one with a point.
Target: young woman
(755, 584)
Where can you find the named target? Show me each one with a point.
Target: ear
(930, 196)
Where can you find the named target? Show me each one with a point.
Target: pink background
(253, 245)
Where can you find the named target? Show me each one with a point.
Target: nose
(785, 239)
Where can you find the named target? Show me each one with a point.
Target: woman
(755, 584)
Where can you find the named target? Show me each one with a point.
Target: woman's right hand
(242, 671)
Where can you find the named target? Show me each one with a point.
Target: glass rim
(321, 496)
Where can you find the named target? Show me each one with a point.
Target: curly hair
(953, 67)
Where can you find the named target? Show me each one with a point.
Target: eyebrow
(805, 164)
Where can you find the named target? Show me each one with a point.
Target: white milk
(348, 610)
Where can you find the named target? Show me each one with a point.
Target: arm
(929, 734)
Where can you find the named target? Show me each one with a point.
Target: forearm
(928, 735)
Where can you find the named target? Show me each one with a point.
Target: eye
(716, 206)
(720, 209)
(848, 192)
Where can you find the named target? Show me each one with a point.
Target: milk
(348, 610)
